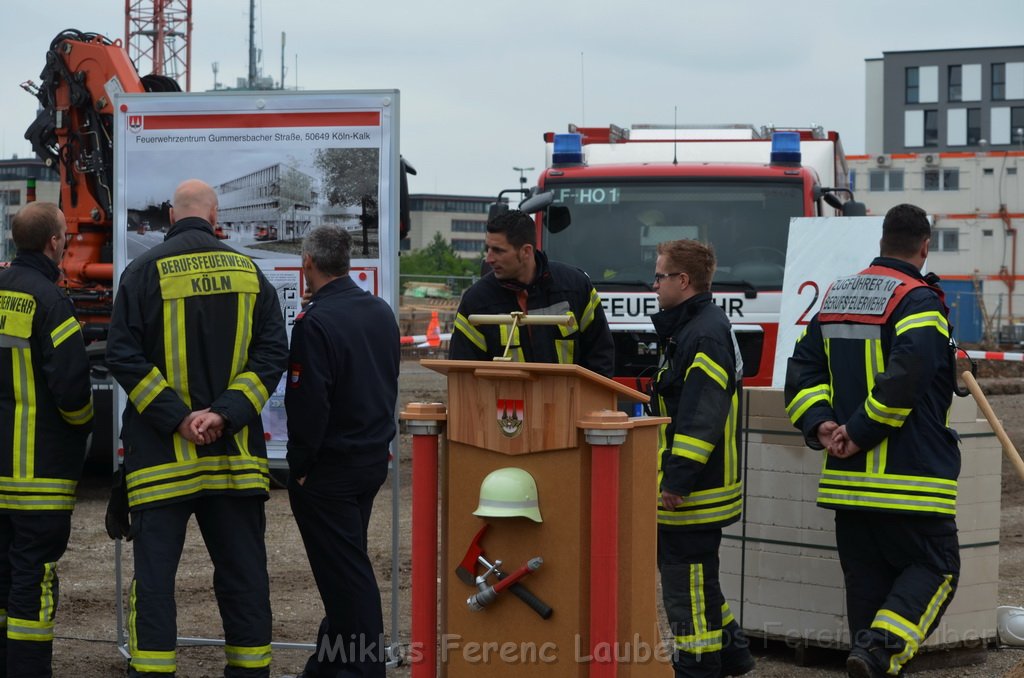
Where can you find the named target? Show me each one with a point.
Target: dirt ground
(86, 646)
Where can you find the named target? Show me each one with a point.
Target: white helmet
(1010, 625)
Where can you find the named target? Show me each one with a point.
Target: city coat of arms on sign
(510, 417)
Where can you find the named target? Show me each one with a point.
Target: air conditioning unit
(931, 159)
(883, 160)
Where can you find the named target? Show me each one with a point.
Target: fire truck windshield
(616, 227)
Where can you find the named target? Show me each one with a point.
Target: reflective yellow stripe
(64, 331)
(248, 657)
(927, 319)
(37, 494)
(24, 384)
(691, 448)
(147, 389)
(176, 367)
(702, 361)
(47, 603)
(78, 417)
(155, 661)
(473, 334)
(565, 351)
(716, 505)
(243, 332)
(727, 616)
(885, 414)
(802, 401)
(223, 473)
(912, 634)
(702, 639)
(731, 462)
(29, 629)
(249, 384)
(590, 310)
(3, 618)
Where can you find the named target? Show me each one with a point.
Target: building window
(998, 82)
(1011, 170)
(1017, 125)
(973, 126)
(946, 239)
(876, 180)
(931, 128)
(951, 179)
(405, 245)
(988, 171)
(914, 85)
(463, 245)
(896, 180)
(468, 226)
(10, 197)
(932, 179)
(955, 84)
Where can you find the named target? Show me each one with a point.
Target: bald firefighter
(197, 341)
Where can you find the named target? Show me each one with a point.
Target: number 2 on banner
(804, 319)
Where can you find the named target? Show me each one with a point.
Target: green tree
(349, 177)
(437, 258)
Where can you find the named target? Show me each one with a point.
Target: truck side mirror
(852, 208)
(557, 218)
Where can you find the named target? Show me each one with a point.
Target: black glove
(117, 518)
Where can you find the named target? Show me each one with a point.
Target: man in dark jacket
(197, 341)
(523, 279)
(871, 382)
(45, 416)
(340, 399)
(698, 386)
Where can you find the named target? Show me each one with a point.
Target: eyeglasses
(658, 277)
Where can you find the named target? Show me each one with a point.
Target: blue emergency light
(786, 147)
(568, 149)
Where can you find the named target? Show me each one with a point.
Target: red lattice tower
(158, 34)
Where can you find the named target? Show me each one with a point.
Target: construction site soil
(86, 647)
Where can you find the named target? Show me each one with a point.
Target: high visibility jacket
(877, 358)
(45, 394)
(195, 325)
(697, 387)
(557, 289)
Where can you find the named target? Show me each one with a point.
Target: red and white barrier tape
(991, 355)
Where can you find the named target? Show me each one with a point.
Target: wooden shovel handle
(1008, 449)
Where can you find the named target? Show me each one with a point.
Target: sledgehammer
(1008, 449)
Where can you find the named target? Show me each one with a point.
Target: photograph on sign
(281, 165)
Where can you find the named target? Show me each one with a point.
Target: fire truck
(616, 193)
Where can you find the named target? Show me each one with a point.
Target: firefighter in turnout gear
(197, 341)
(698, 386)
(871, 382)
(46, 410)
(523, 279)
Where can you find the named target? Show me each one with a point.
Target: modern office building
(19, 179)
(944, 129)
(460, 219)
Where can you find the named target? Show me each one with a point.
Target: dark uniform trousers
(233, 528)
(332, 509)
(709, 642)
(901, 572)
(30, 546)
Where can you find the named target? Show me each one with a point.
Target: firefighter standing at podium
(698, 386)
(522, 278)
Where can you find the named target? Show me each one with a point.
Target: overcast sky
(481, 82)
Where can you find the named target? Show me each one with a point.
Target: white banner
(820, 250)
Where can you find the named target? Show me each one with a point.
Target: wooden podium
(596, 475)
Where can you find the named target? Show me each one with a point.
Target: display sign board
(282, 163)
(820, 250)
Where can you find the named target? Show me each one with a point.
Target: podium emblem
(510, 417)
